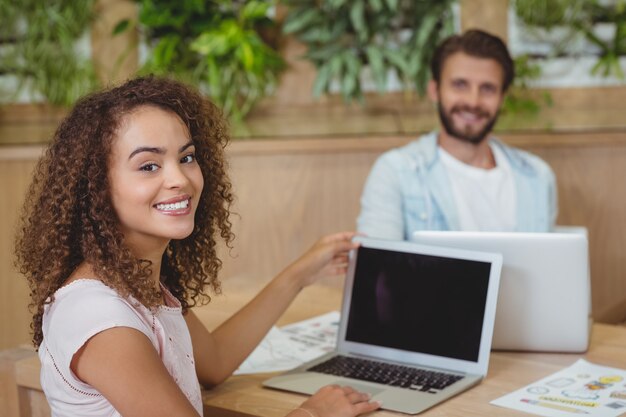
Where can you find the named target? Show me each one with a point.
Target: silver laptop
(544, 302)
(415, 328)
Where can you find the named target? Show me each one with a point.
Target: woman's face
(155, 180)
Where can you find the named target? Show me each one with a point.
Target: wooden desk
(244, 396)
(508, 371)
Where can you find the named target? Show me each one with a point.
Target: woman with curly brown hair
(118, 241)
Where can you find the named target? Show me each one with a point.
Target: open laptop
(423, 314)
(544, 302)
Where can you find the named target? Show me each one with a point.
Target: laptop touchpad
(363, 388)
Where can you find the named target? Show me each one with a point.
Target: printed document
(581, 389)
(290, 346)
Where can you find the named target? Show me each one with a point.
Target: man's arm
(381, 202)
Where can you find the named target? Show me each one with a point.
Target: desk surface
(508, 371)
(244, 395)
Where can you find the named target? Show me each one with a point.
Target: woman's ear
(433, 91)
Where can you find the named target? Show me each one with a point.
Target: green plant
(577, 19)
(519, 99)
(345, 36)
(38, 48)
(217, 45)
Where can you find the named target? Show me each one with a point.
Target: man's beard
(475, 138)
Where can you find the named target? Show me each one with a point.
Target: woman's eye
(187, 159)
(149, 167)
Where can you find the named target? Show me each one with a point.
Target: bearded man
(461, 177)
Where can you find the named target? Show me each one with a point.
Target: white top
(485, 198)
(87, 307)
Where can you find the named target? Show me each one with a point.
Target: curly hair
(68, 216)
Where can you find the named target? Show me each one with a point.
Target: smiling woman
(73, 184)
(118, 241)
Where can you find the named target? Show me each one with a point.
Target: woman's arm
(219, 354)
(124, 367)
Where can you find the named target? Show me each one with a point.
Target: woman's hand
(230, 344)
(336, 401)
(327, 257)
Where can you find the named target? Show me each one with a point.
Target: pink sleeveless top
(86, 307)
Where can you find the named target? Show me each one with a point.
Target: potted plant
(218, 45)
(344, 37)
(40, 53)
(579, 27)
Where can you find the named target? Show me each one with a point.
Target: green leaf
(336, 66)
(376, 5)
(393, 5)
(165, 50)
(377, 66)
(353, 63)
(336, 4)
(321, 81)
(324, 53)
(213, 73)
(211, 43)
(415, 64)
(247, 56)
(121, 27)
(337, 30)
(314, 35)
(155, 16)
(426, 28)
(254, 10)
(349, 85)
(357, 17)
(421, 79)
(298, 21)
(397, 59)
(187, 6)
(351, 78)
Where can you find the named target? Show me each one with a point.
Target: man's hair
(479, 44)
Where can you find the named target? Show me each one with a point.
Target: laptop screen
(418, 303)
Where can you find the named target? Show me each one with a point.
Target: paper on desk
(292, 345)
(581, 389)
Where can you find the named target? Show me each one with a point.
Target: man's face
(469, 96)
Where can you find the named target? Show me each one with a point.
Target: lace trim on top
(68, 383)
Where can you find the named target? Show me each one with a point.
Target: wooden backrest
(20, 389)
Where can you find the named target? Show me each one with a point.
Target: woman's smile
(177, 206)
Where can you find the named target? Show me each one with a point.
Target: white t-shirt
(485, 198)
(87, 307)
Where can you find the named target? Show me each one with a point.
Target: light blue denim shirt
(408, 189)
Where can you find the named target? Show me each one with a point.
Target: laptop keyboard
(386, 373)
